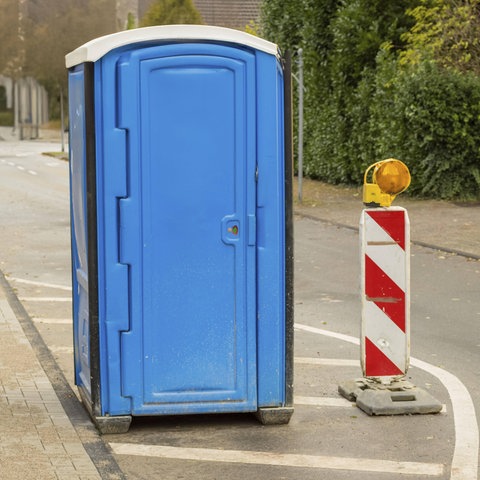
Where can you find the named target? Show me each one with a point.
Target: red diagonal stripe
(393, 222)
(376, 363)
(386, 294)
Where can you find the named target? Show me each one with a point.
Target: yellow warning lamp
(389, 178)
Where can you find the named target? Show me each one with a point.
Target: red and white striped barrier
(385, 342)
(385, 283)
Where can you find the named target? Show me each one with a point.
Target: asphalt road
(327, 438)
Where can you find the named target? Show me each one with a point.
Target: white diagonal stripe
(385, 334)
(391, 260)
(375, 232)
(385, 252)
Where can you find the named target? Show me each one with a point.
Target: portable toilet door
(183, 133)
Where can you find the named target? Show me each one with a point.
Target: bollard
(385, 293)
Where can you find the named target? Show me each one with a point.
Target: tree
(446, 31)
(359, 29)
(171, 12)
(56, 28)
(283, 21)
(9, 39)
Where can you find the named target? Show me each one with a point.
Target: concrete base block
(396, 398)
(274, 415)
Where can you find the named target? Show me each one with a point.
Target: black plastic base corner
(274, 415)
(105, 425)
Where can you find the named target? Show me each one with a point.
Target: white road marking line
(32, 172)
(465, 455)
(58, 349)
(11, 164)
(327, 333)
(45, 299)
(278, 459)
(20, 167)
(322, 401)
(335, 362)
(54, 321)
(41, 284)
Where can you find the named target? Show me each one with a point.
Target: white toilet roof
(98, 47)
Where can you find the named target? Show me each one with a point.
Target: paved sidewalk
(37, 439)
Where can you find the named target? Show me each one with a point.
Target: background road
(327, 437)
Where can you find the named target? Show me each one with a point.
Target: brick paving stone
(37, 439)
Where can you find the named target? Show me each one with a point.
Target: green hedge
(362, 105)
(433, 124)
(427, 117)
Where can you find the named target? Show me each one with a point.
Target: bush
(429, 117)
(426, 116)
(388, 79)
(339, 143)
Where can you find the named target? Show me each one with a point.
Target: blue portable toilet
(182, 264)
